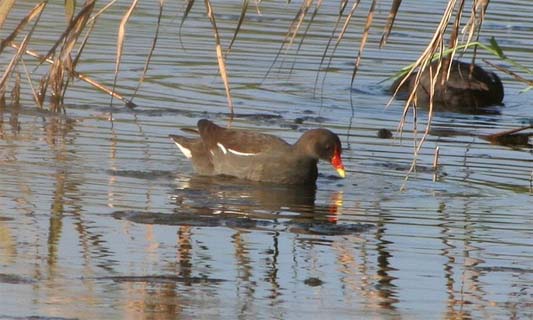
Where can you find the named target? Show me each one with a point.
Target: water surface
(108, 220)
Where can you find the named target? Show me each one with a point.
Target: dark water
(109, 221)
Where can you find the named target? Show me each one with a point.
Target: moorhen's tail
(184, 144)
(194, 149)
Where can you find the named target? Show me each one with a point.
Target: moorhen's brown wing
(257, 156)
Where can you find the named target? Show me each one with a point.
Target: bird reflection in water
(243, 204)
(224, 201)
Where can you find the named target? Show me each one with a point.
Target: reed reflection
(38, 195)
(245, 285)
(13, 112)
(381, 294)
(8, 247)
(244, 207)
(465, 293)
(386, 289)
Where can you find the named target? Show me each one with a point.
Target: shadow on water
(227, 202)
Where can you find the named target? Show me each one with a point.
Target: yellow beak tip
(341, 172)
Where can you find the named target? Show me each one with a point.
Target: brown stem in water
(82, 77)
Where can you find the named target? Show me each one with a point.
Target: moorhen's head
(324, 145)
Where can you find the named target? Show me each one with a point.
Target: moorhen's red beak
(336, 162)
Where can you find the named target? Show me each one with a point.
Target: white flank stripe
(184, 150)
(221, 146)
(246, 154)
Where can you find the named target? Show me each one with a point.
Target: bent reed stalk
(64, 60)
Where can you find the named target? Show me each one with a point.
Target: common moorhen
(469, 88)
(260, 157)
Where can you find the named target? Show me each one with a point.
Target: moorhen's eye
(328, 150)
